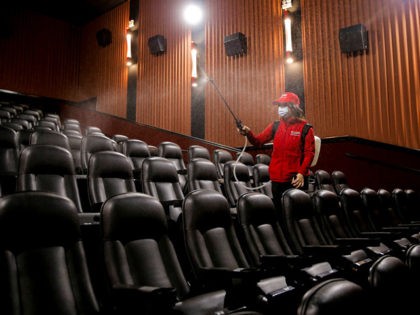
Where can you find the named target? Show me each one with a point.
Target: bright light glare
(289, 60)
(193, 14)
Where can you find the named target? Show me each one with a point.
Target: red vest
(288, 157)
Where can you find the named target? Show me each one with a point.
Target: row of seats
(41, 241)
(283, 277)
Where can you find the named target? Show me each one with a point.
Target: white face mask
(283, 111)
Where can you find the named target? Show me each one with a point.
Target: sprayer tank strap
(305, 130)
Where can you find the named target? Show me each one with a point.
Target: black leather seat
(37, 113)
(391, 218)
(337, 227)
(154, 150)
(335, 296)
(75, 143)
(160, 179)
(33, 121)
(361, 223)
(198, 151)
(412, 260)
(391, 285)
(46, 125)
(323, 180)
(261, 179)
(237, 181)
(13, 112)
(218, 260)
(202, 174)
(89, 130)
(5, 116)
(119, 140)
(91, 144)
(50, 137)
(44, 268)
(136, 150)
(48, 168)
(267, 245)
(173, 152)
(9, 158)
(401, 206)
(220, 157)
(263, 158)
(22, 122)
(413, 204)
(109, 174)
(13, 125)
(54, 118)
(306, 236)
(70, 126)
(339, 180)
(247, 159)
(24, 137)
(142, 266)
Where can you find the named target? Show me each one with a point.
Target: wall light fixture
(130, 37)
(194, 70)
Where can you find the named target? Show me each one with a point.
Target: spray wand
(238, 122)
(239, 125)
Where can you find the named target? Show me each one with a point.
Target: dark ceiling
(76, 12)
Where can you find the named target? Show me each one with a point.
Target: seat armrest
(398, 231)
(382, 235)
(229, 273)
(87, 218)
(325, 250)
(167, 203)
(282, 262)
(226, 277)
(357, 242)
(132, 299)
(411, 226)
(401, 229)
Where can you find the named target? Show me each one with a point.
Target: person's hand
(244, 130)
(298, 180)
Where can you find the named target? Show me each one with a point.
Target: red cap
(287, 97)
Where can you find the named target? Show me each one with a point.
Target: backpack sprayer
(239, 125)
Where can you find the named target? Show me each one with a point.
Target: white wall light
(194, 57)
(130, 60)
(288, 38)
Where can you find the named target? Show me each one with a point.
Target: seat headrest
(8, 137)
(46, 159)
(203, 169)
(170, 150)
(388, 273)
(332, 297)
(37, 219)
(296, 204)
(205, 209)
(256, 208)
(133, 216)
(158, 169)
(110, 164)
(232, 168)
(136, 148)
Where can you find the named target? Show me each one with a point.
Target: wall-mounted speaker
(235, 44)
(157, 44)
(353, 38)
(104, 37)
